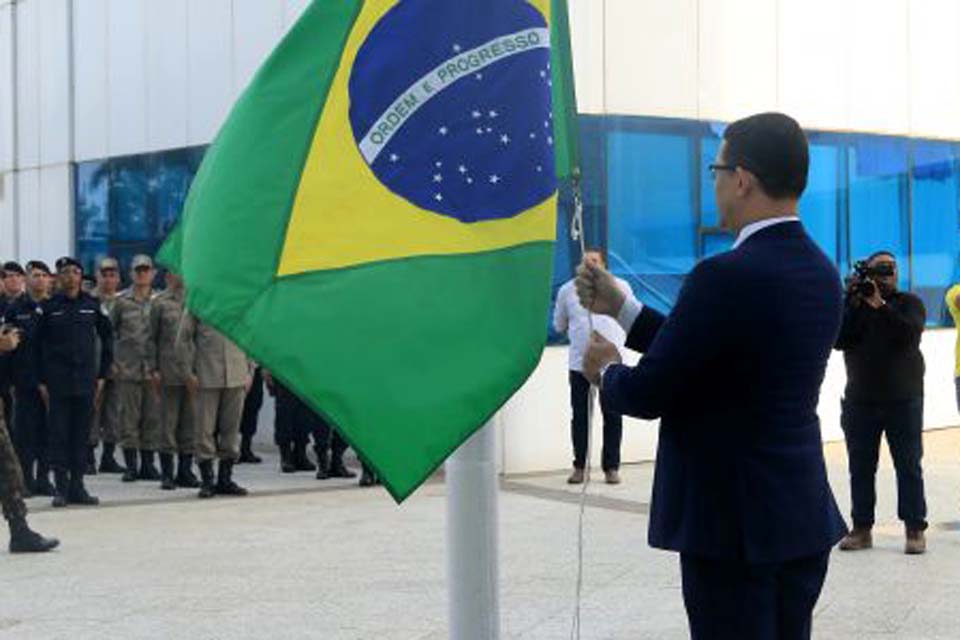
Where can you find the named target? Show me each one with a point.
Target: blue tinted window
(821, 202)
(935, 193)
(879, 207)
(93, 215)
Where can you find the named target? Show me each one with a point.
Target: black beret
(13, 267)
(67, 261)
(38, 264)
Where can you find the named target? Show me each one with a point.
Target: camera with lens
(862, 279)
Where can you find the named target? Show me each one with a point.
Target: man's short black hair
(773, 147)
(883, 252)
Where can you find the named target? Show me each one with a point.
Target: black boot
(300, 460)
(90, 468)
(130, 458)
(148, 471)
(24, 540)
(323, 463)
(78, 493)
(42, 485)
(368, 478)
(62, 480)
(225, 484)
(338, 470)
(286, 459)
(207, 488)
(185, 477)
(246, 451)
(109, 464)
(166, 472)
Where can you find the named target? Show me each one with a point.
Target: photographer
(880, 340)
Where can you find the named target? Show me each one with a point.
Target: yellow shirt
(951, 300)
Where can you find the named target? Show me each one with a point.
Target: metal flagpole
(472, 553)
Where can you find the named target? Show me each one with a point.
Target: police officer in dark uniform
(71, 380)
(11, 289)
(30, 418)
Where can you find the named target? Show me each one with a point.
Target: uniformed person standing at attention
(11, 279)
(107, 417)
(133, 366)
(22, 538)
(30, 417)
(219, 379)
(71, 378)
(171, 370)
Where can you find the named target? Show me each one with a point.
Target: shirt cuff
(628, 313)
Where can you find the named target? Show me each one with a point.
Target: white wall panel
(6, 88)
(8, 239)
(54, 52)
(28, 213)
(91, 53)
(126, 77)
(813, 62)
(586, 40)
(878, 77)
(257, 28)
(737, 58)
(166, 74)
(934, 41)
(210, 68)
(652, 57)
(56, 213)
(28, 84)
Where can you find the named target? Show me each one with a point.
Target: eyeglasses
(720, 167)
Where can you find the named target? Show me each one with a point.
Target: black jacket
(734, 375)
(25, 314)
(881, 348)
(66, 338)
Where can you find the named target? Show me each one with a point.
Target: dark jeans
(863, 426)
(296, 422)
(69, 424)
(251, 405)
(30, 429)
(579, 429)
(730, 600)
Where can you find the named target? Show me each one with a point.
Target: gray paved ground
(305, 559)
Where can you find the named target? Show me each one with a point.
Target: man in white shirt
(571, 318)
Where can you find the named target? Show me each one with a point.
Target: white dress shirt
(753, 227)
(571, 318)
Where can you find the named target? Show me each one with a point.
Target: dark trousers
(30, 429)
(731, 600)
(579, 427)
(251, 405)
(69, 430)
(863, 426)
(296, 423)
(6, 398)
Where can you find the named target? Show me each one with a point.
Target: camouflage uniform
(11, 478)
(173, 362)
(134, 360)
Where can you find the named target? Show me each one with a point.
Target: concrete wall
(534, 426)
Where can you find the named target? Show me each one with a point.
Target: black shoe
(185, 477)
(225, 484)
(108, 463)
(367, 479)
(286, 460)
(166, 472)
(323, 462)
(130, 458)
(338, 470)
(148, 471)
(248, 456)
(25, 540)
(300, 460)
(59, 500)
(80, 496)
(207, 488)
(91, 465)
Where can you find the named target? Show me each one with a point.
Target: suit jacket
(734, 374)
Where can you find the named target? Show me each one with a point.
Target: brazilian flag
(375, 221)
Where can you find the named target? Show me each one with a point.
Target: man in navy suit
(734, 375)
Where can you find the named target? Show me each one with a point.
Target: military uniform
(177, 412)
(30, 417)
(66, 341)
(106, 420)
(222, 372)
(134, 362)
